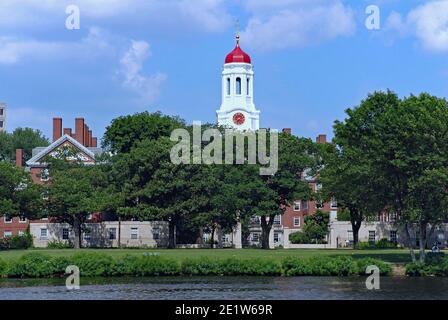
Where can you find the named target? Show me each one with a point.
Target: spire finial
(237, 27)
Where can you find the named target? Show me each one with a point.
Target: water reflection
(238, 288)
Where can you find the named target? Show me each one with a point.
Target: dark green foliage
(435, 265)
(230, 267)
(3, 268)
(331, 266)
(299, 237)
(23, 241)
(56, 244)
(35, 265)
(32, 265)
(22, 138)
(93, 264)
(381, 244)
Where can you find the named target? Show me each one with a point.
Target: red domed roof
(238, 55)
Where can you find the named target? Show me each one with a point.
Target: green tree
(316, 226)
(19, 196)
(127, 131)
(270, 195)
(74, 193)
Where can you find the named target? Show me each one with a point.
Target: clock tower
(237, 107)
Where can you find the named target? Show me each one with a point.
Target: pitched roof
(34, 161)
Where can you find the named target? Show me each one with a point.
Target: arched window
(247, 85)
(228, 86)
(238, 85)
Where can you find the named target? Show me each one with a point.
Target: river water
(234, 288)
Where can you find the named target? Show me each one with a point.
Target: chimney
(68, 131)
(57, 128)
(287, 130)
(19, 158)
(90, 138)
(86, 136)
(94, 142)
(79, 130)
(322, 138)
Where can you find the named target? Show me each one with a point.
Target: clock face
(238, 118)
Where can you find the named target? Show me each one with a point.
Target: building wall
(99, 235)
(13, 228)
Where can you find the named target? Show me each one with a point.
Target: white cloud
(13, 50)
(203, 15)
(296, 23)
(428, 23)
(147, 87)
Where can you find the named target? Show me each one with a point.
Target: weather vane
(237, 27)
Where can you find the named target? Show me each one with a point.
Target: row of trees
(390, 155)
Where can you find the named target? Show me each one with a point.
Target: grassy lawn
(393, 256)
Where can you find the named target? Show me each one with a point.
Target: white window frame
(156, 231)
(7, 234)
(277, 220)
(395, 233)
(374, 234)
(21, 233)
(278, 237)
(7, 221)
(296, 219)
(296, 206)
(112, 231)
(46, 234)
(350, 235)
(318, 187)
(68, 233)
(134, 231)
(22, 219)
(319, 204)
(255, 237)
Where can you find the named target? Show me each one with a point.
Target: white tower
(237, 107)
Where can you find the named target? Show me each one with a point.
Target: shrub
(299, 237)
(436, 265)
(3, 268)
(23, 241)
(200, 266)
(57, 244)
(31, 265)
(5, 243)
(381, 244)
(93, 264)
(157, 266)
(330, 266)
(363, 263)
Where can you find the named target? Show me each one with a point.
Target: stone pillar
(236, 236)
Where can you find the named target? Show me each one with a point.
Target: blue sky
(313, 58)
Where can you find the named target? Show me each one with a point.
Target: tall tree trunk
(266, 227)
(172, 234)
(77, 230)
(212, 238)
(422, 238)
(119, 231)
(409, 241)
(356, 221)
